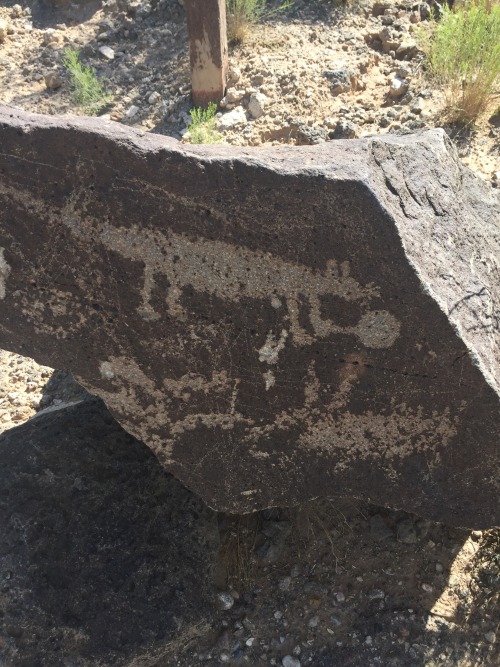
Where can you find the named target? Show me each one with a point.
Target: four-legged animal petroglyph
(233, 272)
(230, 272)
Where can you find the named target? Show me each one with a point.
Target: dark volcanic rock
(105, 558)
(275, 324)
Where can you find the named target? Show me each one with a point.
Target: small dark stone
(345, 129)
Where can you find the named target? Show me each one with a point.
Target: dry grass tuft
(464, 56)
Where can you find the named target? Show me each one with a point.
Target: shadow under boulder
(104, 557)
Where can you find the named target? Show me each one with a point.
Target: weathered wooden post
(206, 21)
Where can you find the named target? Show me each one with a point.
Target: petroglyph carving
(269, 352)
(230, 272)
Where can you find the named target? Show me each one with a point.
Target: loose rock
(290, 661)
(107, 52)
(53, 81)
(257, 104)
(232, 119)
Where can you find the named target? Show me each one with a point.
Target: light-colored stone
(233, 75)
(231, 119)
(3, 30)
(398, 87)
(107, 52)
(257, 104)
(132, 111)
(233, 95)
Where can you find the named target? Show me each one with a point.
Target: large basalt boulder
(105, 559)
(276, 324)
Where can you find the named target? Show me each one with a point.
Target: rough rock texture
(105, 559)
(275, 324)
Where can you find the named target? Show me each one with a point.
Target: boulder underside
(275, 324)
(106, 559)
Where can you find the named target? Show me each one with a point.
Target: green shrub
(87, 88)
(202, 126)
(242, 14)
(464, 54)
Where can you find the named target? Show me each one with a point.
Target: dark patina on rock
(276, 324)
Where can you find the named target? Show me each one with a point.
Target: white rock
(399, 87)
(107, 52)
(132, 111)
(225, 601)
(257, 104)
(231, 119)
(234, 74)
(490, 637)
(234, 95)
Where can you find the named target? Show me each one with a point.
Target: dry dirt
(332, 583)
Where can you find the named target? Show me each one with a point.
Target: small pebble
(132, 111)
(284, 584)
(107, 52)
(376, 594)
(290, 661)
(225, 601)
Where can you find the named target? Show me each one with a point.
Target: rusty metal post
(206, 21)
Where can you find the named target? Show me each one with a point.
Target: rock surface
(105, 558)
(275, 325)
